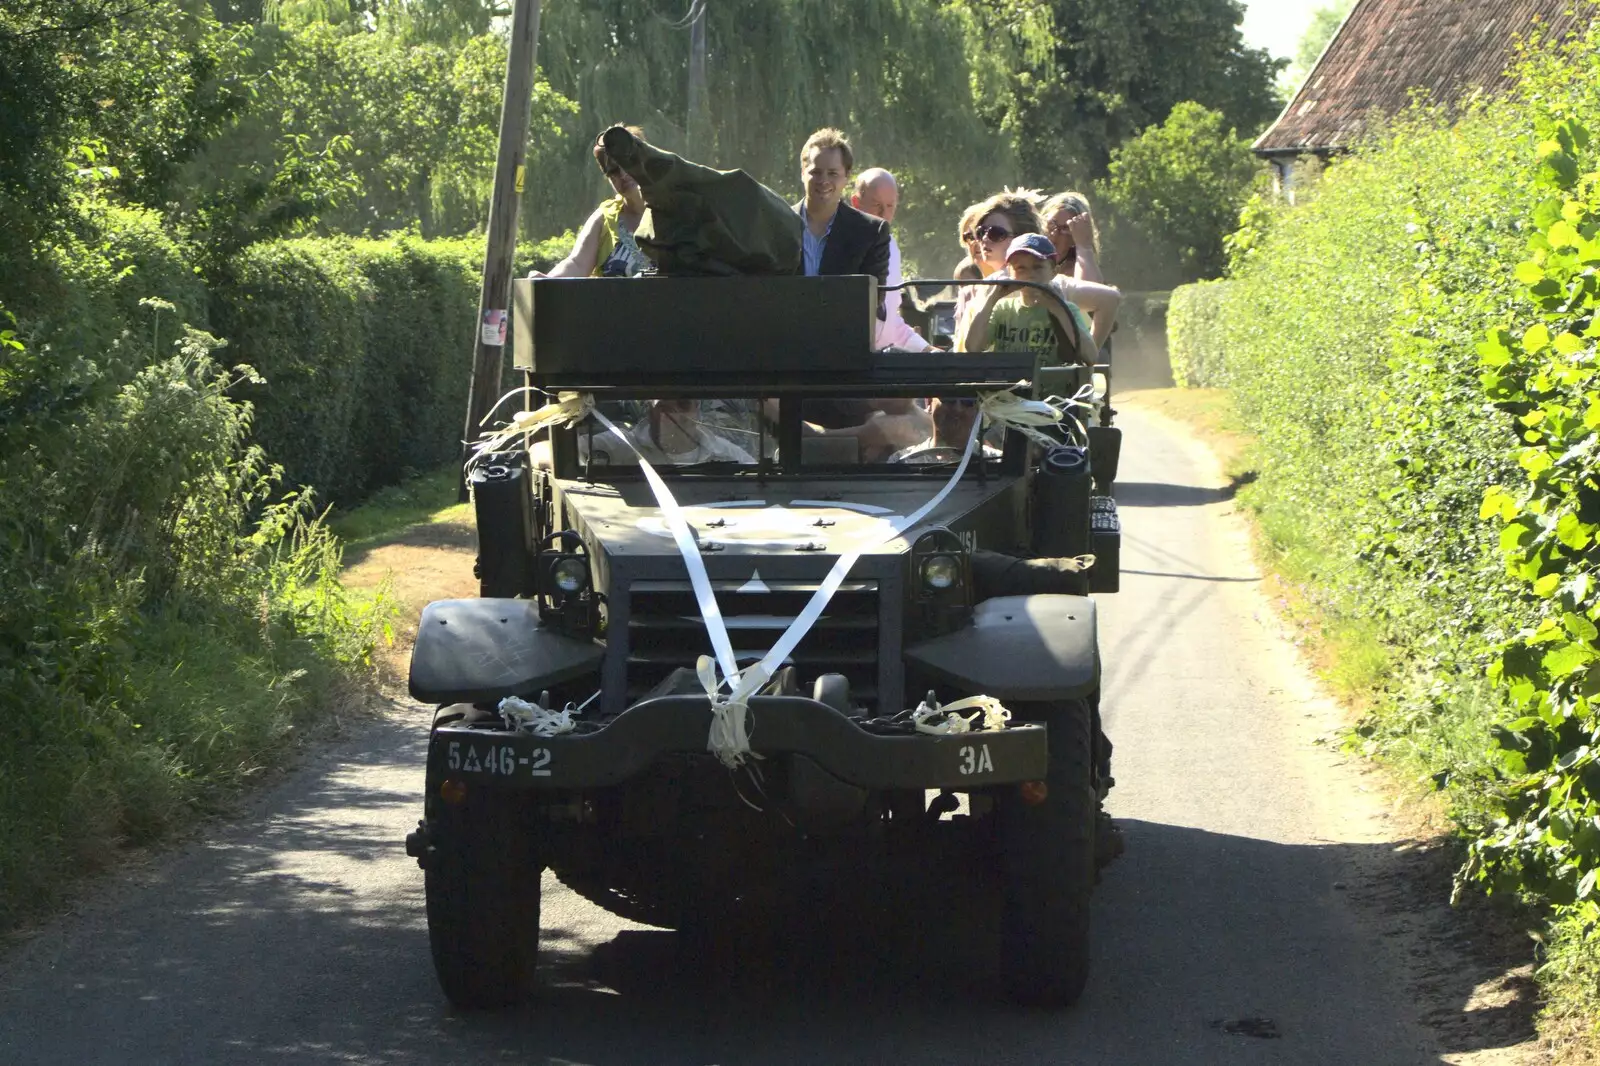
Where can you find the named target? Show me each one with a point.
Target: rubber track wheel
(1048, 857)
(482, 888)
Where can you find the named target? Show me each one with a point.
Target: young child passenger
(1027, 320)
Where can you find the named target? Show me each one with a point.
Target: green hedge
(365, 345)
(366, 350)
(1194, 335)
(1350, 334)
(1361, 386)
(170, 618)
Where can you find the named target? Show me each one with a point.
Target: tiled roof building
(1386, 49)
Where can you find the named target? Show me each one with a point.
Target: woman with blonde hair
(1069, 224)
(1070, 227)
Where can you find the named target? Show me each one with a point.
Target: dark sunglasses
(992, 233)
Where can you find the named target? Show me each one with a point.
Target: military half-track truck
(577, 730)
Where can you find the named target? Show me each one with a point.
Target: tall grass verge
(168, 617)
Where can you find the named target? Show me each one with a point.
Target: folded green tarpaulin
(704, 221)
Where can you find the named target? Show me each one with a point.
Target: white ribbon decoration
(688, 547)
(569, 407)
(994, 713)
(1028, 416)
(539, 720)
(730, 732)
(729, 738)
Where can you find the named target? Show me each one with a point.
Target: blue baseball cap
(1033, 244)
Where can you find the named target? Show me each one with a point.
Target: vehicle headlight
(569, 574)
(939, 572)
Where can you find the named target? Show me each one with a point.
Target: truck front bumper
(630, 742)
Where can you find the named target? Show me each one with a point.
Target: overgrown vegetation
(170, 609)
(1541, 370)
(1350, 333)
(167, 615)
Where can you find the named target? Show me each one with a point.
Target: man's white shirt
(893, 331)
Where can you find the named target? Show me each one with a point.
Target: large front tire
(482, 887)
(1048, 859)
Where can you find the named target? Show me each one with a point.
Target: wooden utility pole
(697, 125)
(510, 175)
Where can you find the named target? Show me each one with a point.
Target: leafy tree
(39, 99)
(958, 97)
(1088, 74)
(901, 77)
(99, 98)
(443, 22)
(1176, 190)
(1325, 22)
(384, 134)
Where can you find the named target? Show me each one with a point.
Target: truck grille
(665, 632)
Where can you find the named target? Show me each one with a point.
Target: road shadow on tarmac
(1200, 938)
(1161, 494)
(237, 954)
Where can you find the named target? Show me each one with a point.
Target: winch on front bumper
(626, 745)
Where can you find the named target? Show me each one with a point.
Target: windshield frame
(570, 463)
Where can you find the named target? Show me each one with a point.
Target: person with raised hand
(1070, 226)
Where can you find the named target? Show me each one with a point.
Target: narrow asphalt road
(296, 935)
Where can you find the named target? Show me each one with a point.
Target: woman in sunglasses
(987, 229)
(605, 247)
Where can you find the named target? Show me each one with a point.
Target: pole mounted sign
(509, 180)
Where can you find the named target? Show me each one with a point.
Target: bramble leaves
(1549, 844)
(1536, 339)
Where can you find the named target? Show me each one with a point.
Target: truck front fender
(1026, 648)
(469, 651)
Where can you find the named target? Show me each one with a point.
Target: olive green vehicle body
(631, 808)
